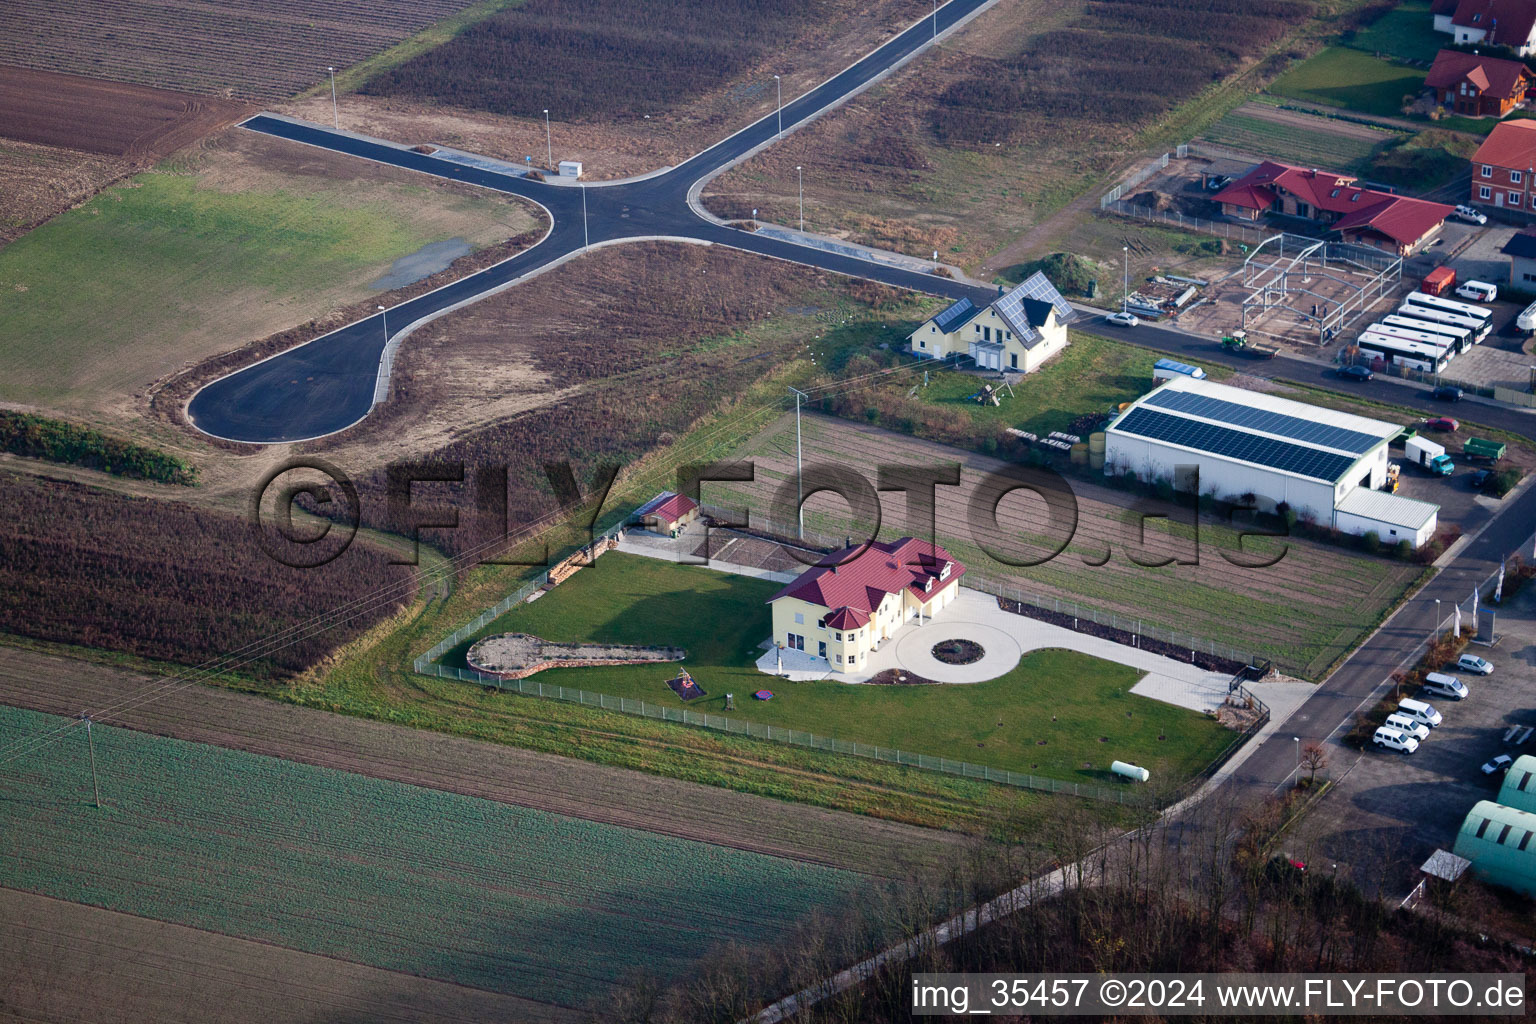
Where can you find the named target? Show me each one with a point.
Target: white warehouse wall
(1150, 459)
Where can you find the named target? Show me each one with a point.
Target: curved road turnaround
(329, 384)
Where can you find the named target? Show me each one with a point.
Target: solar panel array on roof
(1038, 287)
(1235, 444)
(954, 315)
(1265, 420)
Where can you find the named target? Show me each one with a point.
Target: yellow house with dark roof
(1015, 334)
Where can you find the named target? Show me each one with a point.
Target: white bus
(1482, 315)
(1414, 334)
(1479, 329)
(1401, 352)
(1460, 336)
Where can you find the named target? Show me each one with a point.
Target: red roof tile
(668, 506)
(846, 618)
(859, 581)
(1502, 79)
(1508, 22)
(1399, 218)
(1510, 144)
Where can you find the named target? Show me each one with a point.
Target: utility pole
(549, 142)
(335, 110)
(780, 83)
(586, 239)
(800, 173)
(1125, 294)
(799, 463)
(91, 743)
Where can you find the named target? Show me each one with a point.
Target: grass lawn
(1341, 77)
(1044, 717)
(1406, 32)
(1094, 374)
(543, 906)
(175, 265)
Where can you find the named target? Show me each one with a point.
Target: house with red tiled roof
(1476, 86)
(1510, 23)
(1503, 165)
(667, 513)
(858, 598)
(1337, 203)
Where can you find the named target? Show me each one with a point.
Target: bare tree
(1314, 758)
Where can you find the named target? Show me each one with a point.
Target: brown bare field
(247, 50)
(633, 143)
(37, 182)
(70, 962)
(129, 121)
(1312, 605)
(509, 775)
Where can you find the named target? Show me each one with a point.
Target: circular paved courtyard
(914, 651)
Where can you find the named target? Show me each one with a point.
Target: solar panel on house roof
(1011, 306)
(956, 313)
(1235, 444)
(1266, 420)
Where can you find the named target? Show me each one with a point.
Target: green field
(1405, 32)
(1351, 79)
(505, 898)
(720, 620)
(1309, 146)
(167, 268)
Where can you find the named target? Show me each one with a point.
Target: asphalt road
(328, 384)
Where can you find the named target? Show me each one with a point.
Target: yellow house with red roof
(860, 597)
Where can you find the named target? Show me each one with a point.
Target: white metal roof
(1393, 509)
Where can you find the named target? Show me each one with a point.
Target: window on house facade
(794, 641)
(1514, 177)
(799, 618)
(1513, 198)
(839, 638)
(922, 344)
(1014, 358)
(1484, 192)
(1487, 171)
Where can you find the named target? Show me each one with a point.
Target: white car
(1395, 739)
(1402, 723)
(1472, 663)
(1123, 319)
(1470, 215)
(1498, 765)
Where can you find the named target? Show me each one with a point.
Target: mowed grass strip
(1045, 717)
(1341, 77)
(398, 877)
(1311, 144)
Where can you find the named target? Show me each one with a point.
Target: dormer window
(1355, 198)
(1334, 194)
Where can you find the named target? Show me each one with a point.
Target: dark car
(1479, 479)
(1446, 393)
(1356, 373)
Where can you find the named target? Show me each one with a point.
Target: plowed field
(127, 121)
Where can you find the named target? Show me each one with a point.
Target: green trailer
(1483, 449)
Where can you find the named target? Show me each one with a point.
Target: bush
(1405, 550)
(1503, 481)
(1072, 275)
(1371, 542)
(37, 437)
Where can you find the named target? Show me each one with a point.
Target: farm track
(173, 974)
(490, 771)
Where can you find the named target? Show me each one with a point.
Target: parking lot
(1388, 811)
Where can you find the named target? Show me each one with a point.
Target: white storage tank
(1130, 771)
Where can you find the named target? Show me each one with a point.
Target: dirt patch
(134, 122)
(38, 183)
(520, 655)
(898, 677)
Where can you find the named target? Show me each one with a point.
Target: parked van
(1472, 663)
(1477, 291)
(1419, 712)
(1402, 723)
(1442, 685)
(1395, 739)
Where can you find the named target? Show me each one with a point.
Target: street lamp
(1435, 633)
(935, 20)
(1125, 294)
(800, 174)
(335, 110)
(1298, 755)
(780, 83)
(385, 314)
(799, 466)
(586, 239)
(549, 145)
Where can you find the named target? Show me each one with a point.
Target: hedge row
(37, 437)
